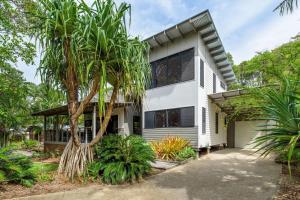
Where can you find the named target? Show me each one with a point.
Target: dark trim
(218, 53)
(205, 35)
(213, 40)
(228, 76)
(220, 60)
(223, 66)
(226, 71)
(215, 48)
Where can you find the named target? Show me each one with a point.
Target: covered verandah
(56, 128)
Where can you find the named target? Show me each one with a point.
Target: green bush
(31, 144)
(122, 159)
(186, 153)
(15, 168)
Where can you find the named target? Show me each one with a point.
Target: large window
(173, 69)
(179, 117)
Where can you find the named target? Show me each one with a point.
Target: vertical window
(201, 73)
(222, 85)
(187, 65)
(153, 70)
(174, 118)
(161, 73)
(217, 123)
(214, 83)
(174, 69)
(203, 120)
(187, 117)
(149, 119)
(160, 119)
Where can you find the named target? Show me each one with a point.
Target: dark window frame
(154, 82)
(214, 83)
(203, 121)
(201, 73)
(181, 121)
(217, 123)
(222, 84)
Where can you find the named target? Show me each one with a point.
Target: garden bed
(289, 188)
(58, 184)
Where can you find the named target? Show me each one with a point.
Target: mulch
(289, 188)
(59, 184)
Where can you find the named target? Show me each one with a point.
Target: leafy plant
(31, 144)
(282, 109)
(44, 172)
(169, 147)
(122, 159)
(15, 168)
(186, 153)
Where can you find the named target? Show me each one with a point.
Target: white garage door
(246, 132)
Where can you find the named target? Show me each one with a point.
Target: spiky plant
(281, 108)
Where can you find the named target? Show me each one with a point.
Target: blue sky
(245, 27)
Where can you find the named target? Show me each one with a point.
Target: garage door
(246, 132)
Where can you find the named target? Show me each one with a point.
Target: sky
(245, 27)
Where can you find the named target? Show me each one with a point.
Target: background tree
(14, 47)
(85, 50)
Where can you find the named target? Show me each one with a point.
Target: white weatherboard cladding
(188, 93)
(210, 138)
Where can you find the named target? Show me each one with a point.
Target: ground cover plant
(121, 159)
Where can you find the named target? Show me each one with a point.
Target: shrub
(186, 153)
(169, 147)
(122, 159)
(31, 144)
(15, 168)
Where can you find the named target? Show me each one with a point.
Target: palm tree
(85, 50)
(282, 109)
(287, 6)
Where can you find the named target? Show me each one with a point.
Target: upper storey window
(173, 69)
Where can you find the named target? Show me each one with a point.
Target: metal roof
(203, 24)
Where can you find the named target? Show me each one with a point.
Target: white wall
(176, 95)
(190, 93)
(246, 132)
(210, 138)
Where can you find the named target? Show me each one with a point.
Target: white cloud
(230, 16)
(269, 35)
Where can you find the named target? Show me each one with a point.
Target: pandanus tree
(87, 49)
(282, 112)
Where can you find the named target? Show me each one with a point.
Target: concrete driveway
(227, 174)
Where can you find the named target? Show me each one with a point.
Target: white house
(190, 75)
(188, 63)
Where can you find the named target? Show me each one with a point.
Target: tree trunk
(76, 155)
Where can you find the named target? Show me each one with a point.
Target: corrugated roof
(203, 24)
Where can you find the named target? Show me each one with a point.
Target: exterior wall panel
(191, 134)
